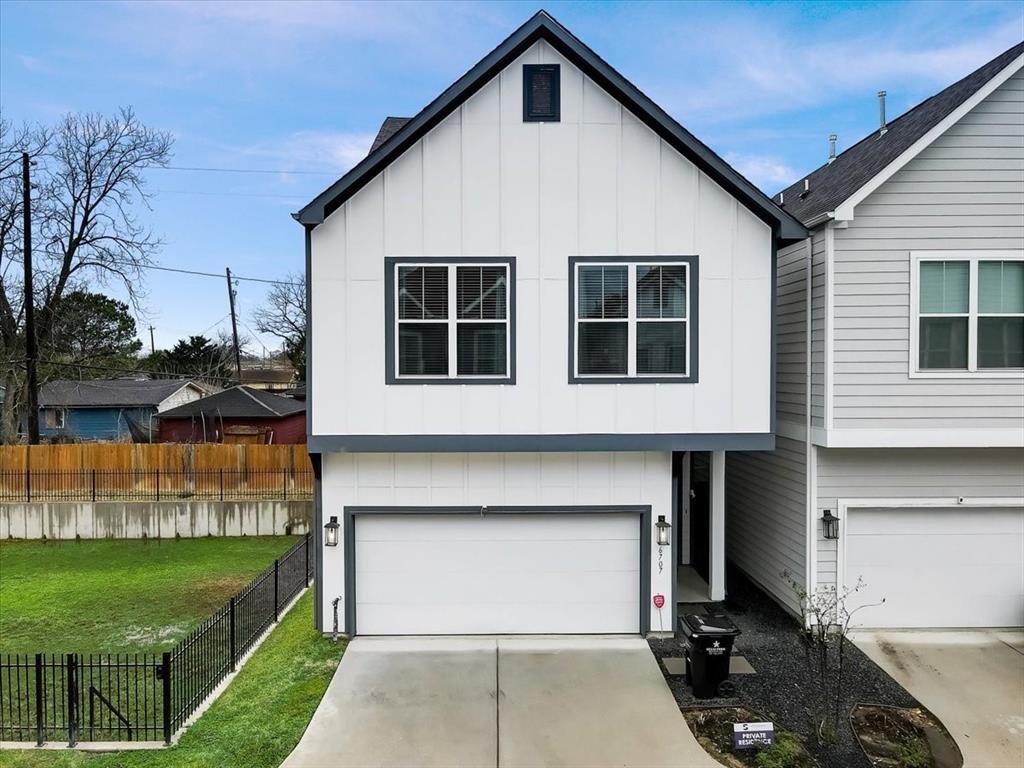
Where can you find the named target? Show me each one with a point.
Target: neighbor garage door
(497, 573)
(935, 567)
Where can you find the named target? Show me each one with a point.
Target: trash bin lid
(717, 624)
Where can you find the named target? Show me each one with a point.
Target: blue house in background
(109, 409)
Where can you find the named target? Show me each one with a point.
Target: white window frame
(972, 371)
(631, 321)
(453, 322)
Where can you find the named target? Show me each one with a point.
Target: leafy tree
(196, 356)
(283, 315)
(88, 179)
(95, 329)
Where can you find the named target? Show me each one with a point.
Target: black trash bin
(708, 642)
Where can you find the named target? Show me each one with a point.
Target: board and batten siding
(492, 479)
(766, 517)
(905, 473)
(484, 183)
(963, 192)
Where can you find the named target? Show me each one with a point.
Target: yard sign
(750, 735)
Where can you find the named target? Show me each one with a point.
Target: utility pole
(31, 349)
(234, 325)
(152, 346)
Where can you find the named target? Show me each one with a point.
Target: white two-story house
(899, 456)
(527, 306)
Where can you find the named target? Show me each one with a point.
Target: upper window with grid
(453, 321)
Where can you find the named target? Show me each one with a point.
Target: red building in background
(236, 415)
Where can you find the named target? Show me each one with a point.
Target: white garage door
(426, 574)
(937, 567)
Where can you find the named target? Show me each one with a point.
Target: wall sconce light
(662, 529)
(331, 532)
(830, 525)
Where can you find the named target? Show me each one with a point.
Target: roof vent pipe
(881, 114)
(832, 148)
(782, 198)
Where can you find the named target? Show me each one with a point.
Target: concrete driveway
(973, 680)
(517, 702)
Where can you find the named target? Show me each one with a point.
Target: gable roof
(239, 402)
(833, 183)
(541, 26)
(109, 393)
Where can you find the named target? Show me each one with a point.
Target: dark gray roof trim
(832, 184)
(692, 441)
(543, 26)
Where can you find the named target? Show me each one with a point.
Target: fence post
(158, 483)
(276, 568)
(40, 709)
(307, 559)
(71, 662)
(222, 484)
(167, 696)
(284, 483)
(94, 485)
(28, 485)
(231, 626)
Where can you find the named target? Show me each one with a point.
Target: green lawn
(254, 724)
(130, 596)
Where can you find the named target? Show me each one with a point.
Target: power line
(115, 369)
(279, 171)
(228, 194)
(219, 277)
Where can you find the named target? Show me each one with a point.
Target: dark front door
(700, 517)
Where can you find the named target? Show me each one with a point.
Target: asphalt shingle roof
(831, 184)
(388, 128)
(239, 402)
(107, 393)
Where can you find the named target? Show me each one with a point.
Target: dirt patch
(713, 728)
(904, 737)
(134, 634)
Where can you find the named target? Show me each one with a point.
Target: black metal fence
(155, 484)
(144, 697)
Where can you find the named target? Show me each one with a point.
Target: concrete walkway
(973, 680)
(513, 702)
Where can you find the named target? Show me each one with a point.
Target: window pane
(422, 293)
(602, 348)
(494, 286)
(944, 286)
(1001, 286)
(1001, 342)
(661, 348)
(673, 291)
(603, 292)
(482, 349)
(943, 342)
(648, 291)
(423, 349)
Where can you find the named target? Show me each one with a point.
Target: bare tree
(88, 182)
(283, 315)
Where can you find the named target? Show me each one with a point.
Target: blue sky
(294, 86)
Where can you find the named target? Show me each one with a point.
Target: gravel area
(785, 685)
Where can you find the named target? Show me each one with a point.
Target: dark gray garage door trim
(642, 511)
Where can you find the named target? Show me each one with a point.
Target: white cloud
(310, 150)
(765, 171)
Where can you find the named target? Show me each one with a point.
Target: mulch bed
(895, 738)
(785, 686)
(713, 729)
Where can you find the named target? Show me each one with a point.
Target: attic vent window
(541, 91)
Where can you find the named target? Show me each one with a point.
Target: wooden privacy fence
(106, 471)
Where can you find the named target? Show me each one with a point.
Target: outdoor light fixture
(830, 525)
(331, 532)
(663, 529)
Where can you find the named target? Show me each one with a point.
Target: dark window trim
(692, 319)
(556, 93)
(642, 511)
(390, 361)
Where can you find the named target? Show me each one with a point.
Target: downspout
(809, 491)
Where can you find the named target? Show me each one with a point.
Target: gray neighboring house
(900, 378)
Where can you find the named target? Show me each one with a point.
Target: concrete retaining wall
(153, 519)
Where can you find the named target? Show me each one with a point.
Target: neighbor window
(55, 418)
(970, 313)
(633, 320)
(450, 321)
